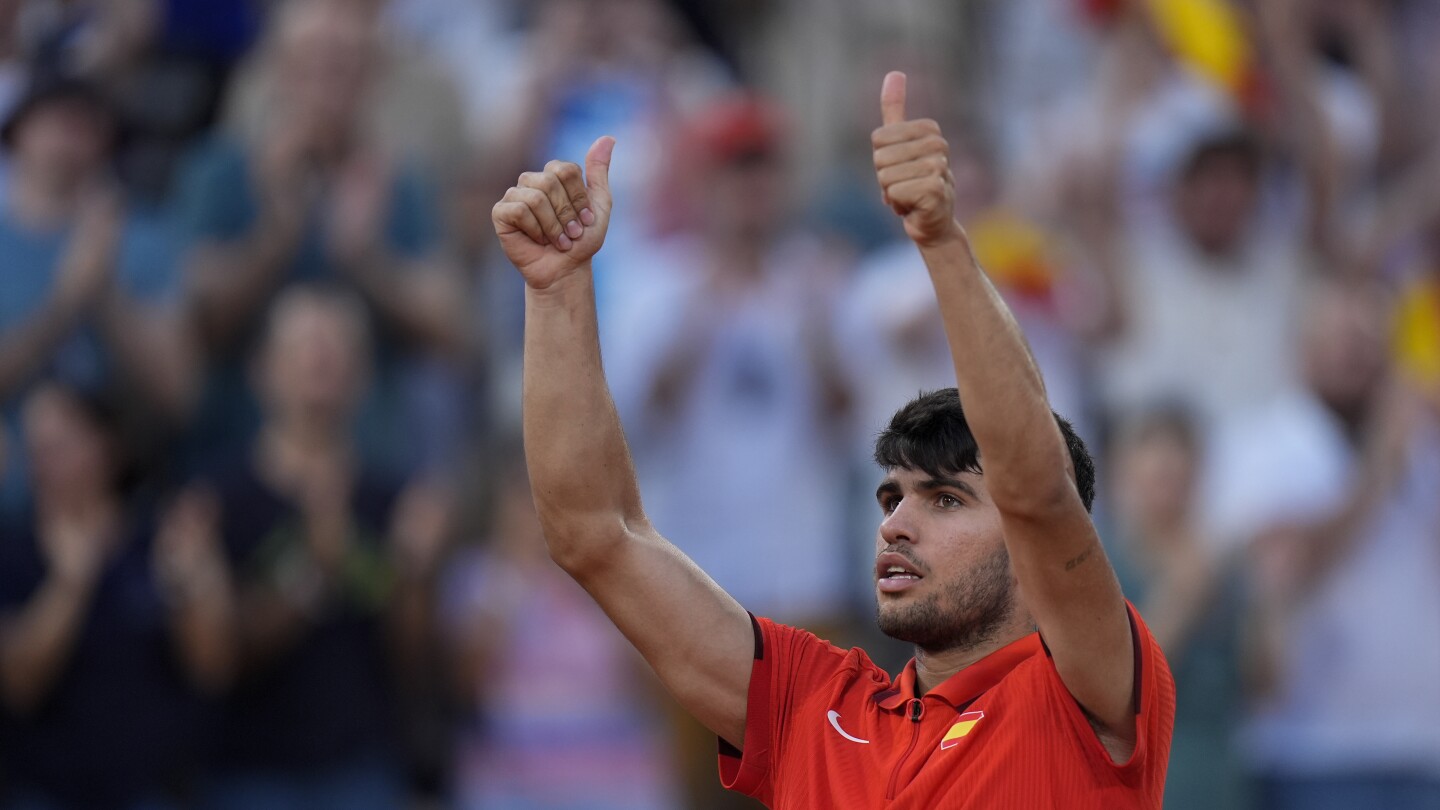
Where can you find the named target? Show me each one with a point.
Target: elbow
(582, 547)
(1036, 498)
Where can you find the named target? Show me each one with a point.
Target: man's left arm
(1062, 571)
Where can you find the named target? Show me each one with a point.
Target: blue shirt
(146, 269)
(217, 202)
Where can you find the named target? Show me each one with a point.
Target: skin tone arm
(418, 536)
(36, 641)
(420, 299)
(230, 282)
(695, 636)
(190, 565)
(83, 284)
(1068, 584)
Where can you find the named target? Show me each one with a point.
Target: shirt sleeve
(788, 661)
(1154, 714)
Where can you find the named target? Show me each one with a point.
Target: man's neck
(286, 445)
(934, 667)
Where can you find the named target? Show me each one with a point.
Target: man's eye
(948, 501)
(889, 505)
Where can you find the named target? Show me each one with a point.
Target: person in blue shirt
(310, 197)
(86, 288)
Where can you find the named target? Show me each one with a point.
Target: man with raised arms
(1034, 683)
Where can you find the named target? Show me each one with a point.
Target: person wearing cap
(730, 377)
(1034, 682)
(85, 284)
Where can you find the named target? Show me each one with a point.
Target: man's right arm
(695, 636)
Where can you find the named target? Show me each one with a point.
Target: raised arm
(1067, 582)
(696, 637)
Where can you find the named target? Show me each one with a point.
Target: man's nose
(898, 527)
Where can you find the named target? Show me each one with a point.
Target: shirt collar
(967, 684)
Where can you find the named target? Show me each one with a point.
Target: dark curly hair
(930, 433)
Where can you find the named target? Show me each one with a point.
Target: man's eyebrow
(887, 487)
(949, 483)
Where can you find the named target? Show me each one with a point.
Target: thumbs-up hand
(553, 221)
(912, 162)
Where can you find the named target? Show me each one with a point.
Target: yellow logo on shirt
(961, 728)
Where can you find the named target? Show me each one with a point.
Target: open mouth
(894, 573)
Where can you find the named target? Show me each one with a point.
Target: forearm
(580, 468)
(151, 350)
(414, 647)
(204, 628)
(36, 644)
(415, 302)
(232, 281)
(999, 383)
(25, 348)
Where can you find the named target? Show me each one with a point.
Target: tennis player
(1034, 683)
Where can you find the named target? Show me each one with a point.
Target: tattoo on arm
(1080, 560)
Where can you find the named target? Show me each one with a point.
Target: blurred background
(265, 533)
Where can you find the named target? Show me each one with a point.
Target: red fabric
(1032, 748)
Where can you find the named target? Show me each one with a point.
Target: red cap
(738, 126)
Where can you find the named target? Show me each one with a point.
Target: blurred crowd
(266, 539)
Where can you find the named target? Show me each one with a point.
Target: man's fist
(912, 162)
(553, 221)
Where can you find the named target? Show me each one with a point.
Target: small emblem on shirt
(835, 721)
(962, 727)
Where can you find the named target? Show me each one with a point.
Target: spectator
(411, 107)
(1191, 595)
(526, 636)
(728, 363)
(314, 199)
(1201, 302)
(85, 290)
(736, 362)
(334, 571)
(114, 627)
(164, 98)
(1335, 484)
(585, 68)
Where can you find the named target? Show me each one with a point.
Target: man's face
(1216, 202)
(64, 139)
(745, 197)
(942, 574)
(314, 361)
(69, 453)
(326, 59)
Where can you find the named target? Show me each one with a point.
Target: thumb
(597, 168)
(892, 98)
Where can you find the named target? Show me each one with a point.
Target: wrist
(68, 302)
(563, 287)
(75, 583)
(950, 236)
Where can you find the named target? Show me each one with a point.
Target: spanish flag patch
(962, 727)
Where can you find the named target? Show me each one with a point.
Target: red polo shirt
(825, 727)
